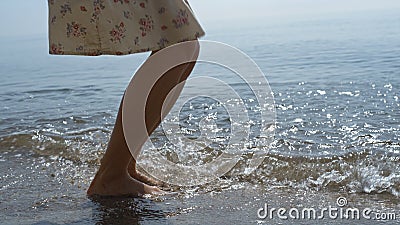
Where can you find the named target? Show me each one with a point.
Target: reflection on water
(127, 211)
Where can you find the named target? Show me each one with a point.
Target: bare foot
(145, 179)
(105, 184)
(142, 177)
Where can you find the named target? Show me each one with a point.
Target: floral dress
(118, 27)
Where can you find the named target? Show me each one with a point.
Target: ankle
(110, 172)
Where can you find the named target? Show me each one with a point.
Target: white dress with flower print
(119, 27)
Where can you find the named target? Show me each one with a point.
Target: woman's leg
(113, 177)
(157, 97)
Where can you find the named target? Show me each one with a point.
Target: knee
(194, 49)
(191, 48)
(190, 51)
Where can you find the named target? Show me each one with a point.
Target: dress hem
(96, 52)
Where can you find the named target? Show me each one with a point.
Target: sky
(29, 17)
